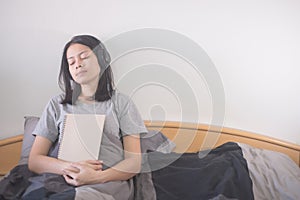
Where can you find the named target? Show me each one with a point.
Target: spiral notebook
(81, 137)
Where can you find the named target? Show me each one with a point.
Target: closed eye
(84, 55)
(71, 61)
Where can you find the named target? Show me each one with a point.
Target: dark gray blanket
(221, 174)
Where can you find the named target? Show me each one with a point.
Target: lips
(81, 73)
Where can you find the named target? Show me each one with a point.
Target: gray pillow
(156, 141)
(28, 138)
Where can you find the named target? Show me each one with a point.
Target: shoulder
(57, 98)
(54, 102)
(122, 102)
(120, 97)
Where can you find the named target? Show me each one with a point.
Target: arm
(39, 162)
(124, 170)
(131, 164)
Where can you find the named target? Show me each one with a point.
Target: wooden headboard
(188, 137)
(10, 151)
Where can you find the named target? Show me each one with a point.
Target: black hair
(72, 89)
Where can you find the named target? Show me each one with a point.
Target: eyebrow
(78, 54)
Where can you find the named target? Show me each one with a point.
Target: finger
(81, 167)
(70, 174)
(96, 167)
(94, 162)
(67, 177)
(70, 180)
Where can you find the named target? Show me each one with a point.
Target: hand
(82, 173)
(94, 164)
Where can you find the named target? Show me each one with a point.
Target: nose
(78, 66)
(78, 63)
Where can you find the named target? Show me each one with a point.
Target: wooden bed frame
(188, 137)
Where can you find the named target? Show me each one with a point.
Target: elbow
(32, 165)
(137, 167)
(134, 165)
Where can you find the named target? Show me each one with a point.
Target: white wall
(253, 44)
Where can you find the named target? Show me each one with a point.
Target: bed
(199, 161)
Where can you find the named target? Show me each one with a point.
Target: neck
(89, 90)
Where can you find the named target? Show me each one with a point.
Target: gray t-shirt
(122, 118)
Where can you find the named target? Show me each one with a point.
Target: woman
(88, 85)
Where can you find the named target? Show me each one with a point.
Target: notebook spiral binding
(61, 136)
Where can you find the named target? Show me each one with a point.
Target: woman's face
(83, 64)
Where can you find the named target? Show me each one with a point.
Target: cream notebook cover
(81, 137)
